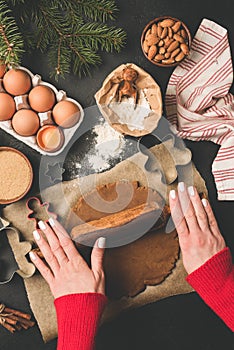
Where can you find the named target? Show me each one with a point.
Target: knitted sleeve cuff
(78, 317)
(214, 282)
(213, 272)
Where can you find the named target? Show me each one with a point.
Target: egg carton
(31, 140)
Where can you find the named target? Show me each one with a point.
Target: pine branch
(11, 41)
(63, 30)
(95, 10)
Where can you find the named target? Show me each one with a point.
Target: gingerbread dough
(146, 261)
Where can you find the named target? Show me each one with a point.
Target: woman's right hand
(197, 228)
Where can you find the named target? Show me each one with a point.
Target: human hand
(67, 272)
(197, 229)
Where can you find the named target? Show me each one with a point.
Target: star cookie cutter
(38, 211)
(55, 172)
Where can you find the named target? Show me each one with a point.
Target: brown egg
(66, 114)
(25, 122)
(7, 106)
(41, 98)
(17, 82)
(50, 138)
(2, 69)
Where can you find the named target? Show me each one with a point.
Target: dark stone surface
(182, 322)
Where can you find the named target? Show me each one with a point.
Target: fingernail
(42, 225)
(101, 242)
(191, 191)
(181, 186)
(36, 235)
(32, 256)
(173, 194)
(51, 221)
(204, 202)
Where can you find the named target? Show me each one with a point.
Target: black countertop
(181, 322)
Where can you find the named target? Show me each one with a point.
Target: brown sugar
(15, 175)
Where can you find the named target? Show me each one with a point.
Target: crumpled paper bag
(148, 90)
(63, 196)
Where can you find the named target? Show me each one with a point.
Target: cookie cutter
(177, 155)
(9, 260)
(38, 211)
(55, 172)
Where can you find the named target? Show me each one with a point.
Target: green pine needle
(72, 32)
(11, 41)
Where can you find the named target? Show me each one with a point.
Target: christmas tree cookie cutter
(38, 211)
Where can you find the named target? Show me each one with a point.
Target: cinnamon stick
(22, 320)
(17, 312)
(10, 321)
(8, 327)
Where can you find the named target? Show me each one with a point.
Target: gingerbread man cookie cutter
(38, 210)
(14, 261)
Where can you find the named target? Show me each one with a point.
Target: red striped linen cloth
(198, 103)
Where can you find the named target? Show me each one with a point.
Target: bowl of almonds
(166, 41)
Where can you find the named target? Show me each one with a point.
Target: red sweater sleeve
(78, 318)
(214, 282)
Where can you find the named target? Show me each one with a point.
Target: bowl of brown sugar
(16, 175)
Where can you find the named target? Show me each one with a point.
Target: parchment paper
(145, 83)
(63, 197)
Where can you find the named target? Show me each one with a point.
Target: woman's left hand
(66, 271)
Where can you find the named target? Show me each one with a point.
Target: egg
(2, 69)
(7, 106)
(25, 122)
(41, 98)
(17, 82)
(66, 113)
(50, 138)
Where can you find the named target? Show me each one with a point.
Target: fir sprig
(11, 41)
(71, 31)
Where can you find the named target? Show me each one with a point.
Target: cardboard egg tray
(31, 140)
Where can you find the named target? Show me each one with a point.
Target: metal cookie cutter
(39, 211)
(12, 262)
(172, 156)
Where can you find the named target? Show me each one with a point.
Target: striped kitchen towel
(198, 103)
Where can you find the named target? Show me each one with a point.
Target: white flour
(131, 115)
(108, 144)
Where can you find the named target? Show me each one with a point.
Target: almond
(170, 32)
(159, 30)
(183, 33)
(184, 48)
(152, 51)
(168, 61)
(162, 50)
(178, 38)
(167, 54)
(167, 23)
(146, 46)
(175, 52)
(176, 26)
(152, 39)
(167, 42)
(164, 33)
(180, 56)
(159, 57)
(161, 43)
(148, 33)
(154, 29)
(173, 46)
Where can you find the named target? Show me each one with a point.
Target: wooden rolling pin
(114, 223)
